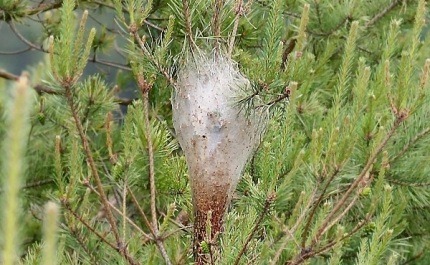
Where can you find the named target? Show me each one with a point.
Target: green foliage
(341, 175)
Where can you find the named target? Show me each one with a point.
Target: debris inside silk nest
(217, 137)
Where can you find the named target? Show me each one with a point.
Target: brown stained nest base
(214, 199)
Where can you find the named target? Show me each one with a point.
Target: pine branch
(315, 207)
(82, 244)
(42, 7)
(40, 48)
(151, 57)
(119, 248)
(334, 29)
(293, 230)
(16, 52)
(186, 14)
(118, 211)
(42, 89)
(399, 120)
(145, 87)
(409, 145)
(240, 11)
(86, 146)
(68, 207)
(382, 13)
(408, 184)
(141, 212)
(269, 200)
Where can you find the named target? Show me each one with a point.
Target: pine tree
(323, 105)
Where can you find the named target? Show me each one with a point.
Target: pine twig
(408, 184)
(42, 89)
(399, 119)
(186, 14)
(152, 59)
(288, 49)
(90, 159)
(145, 87)
(145, 235)
(216, 21)
(314, 209)
(410, 144)
(383, 12)
(141, 212)
(80, 240)
(270, 199)
(86, 224)
(308, 253)
(295, 227)
(331, 31)
(240, 11)
(16, 52)
(40, 48)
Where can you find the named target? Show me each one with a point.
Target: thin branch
(151, 161)
(349, 206)
(43, 7)
(93, 60)
(288, 49)
(141, 212)
(281, 97)
(186, 14)
(359, 179)
(124, 212)
(331, 31)
(35, 184)
(40, 89)
(90, 159)
(415, 257)
(317, 9)
(308, 254)
(103, 3)
(217, 18)
(80, 240)
(145, 87)
(270, 199)
(153, 60)
(85, 223)
(299, 221)
(408, 184)
(121, 251)
(87, 184)
(16, 52)
(383, 12)
(109, 63)
(240, 11)
(23, 39)
(410, 144)
(319, 200)
(170, 233)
